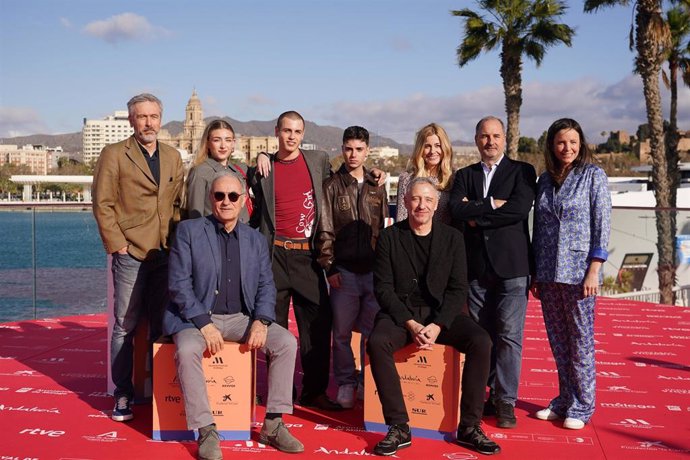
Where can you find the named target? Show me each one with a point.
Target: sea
(65, 275)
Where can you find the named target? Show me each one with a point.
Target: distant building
(37, 157)
(96, 134)
(383, 152)
(192, 129)
(621, 136)
(642, 149)
(248, 147)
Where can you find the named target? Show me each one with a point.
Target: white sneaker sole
(573, 424)
(547, 414)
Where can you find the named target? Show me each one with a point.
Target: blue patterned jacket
(571, 226)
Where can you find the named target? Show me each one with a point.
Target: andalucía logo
(110, 436)
(410, 378)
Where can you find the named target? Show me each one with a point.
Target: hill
(328, 138)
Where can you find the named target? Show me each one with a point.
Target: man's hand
(263, 164)
(471, 223)
(257, 335)
(334, 280)
(416, 329)
(429, 334)
(498, 203)
(379, 176)
(213, 338)
(123, 251)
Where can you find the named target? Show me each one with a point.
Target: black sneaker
(398, 437)
(474, 438)
(505, 413)
(122, 411)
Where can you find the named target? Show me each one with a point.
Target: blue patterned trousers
(569, 321)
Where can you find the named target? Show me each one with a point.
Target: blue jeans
(499, 305)
(353, 304)
(141, 288)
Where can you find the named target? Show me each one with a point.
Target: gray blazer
(263, 217)
(198, 186)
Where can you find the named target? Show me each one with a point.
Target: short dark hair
(291, 114)
(356, 133)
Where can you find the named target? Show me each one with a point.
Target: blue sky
(388, 65)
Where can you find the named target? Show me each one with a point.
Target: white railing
(652, 296)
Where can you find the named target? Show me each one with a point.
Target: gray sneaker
(275, 433)
(209, 443)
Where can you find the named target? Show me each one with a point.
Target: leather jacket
(350, 222)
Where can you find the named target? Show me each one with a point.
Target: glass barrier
(52, 263)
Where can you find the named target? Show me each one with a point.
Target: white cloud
(597, 106)
(259, 99)
(123, 27)
(20, 121)
(66, 23)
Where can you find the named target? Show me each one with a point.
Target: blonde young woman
(432, 158)
(215, 149)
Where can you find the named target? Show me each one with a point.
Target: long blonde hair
(202, 151)
(417, 166)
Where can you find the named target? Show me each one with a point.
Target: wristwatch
(265, 322)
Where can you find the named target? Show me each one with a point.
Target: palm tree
(678, 20)
(650, 38)
(520, 27)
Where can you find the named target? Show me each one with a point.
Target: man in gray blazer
(222, 288)
(287, 212)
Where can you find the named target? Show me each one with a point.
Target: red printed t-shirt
(294, 193)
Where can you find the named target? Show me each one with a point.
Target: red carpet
(53, 405)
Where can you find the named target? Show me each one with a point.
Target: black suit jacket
(395, 277)
(500, 237)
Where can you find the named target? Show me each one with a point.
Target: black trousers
(299, 277)
(464, 335)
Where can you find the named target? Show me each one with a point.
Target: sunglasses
(232, 196)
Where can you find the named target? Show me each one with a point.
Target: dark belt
(290, 245)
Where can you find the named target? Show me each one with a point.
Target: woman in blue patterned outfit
(572, 223)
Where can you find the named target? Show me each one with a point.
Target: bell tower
(193, 124)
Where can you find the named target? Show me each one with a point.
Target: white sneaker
(360, 391)
(346, 396)
(573, 424)
(547, 414)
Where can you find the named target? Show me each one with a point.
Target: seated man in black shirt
(420, 281)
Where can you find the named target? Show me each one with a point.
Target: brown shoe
(209, 444)
(275, 433)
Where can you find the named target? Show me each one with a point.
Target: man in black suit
(490, 202)
(420, 281)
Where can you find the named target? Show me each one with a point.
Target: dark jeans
(141, 289)
(464, 335)
(499, 305)
(298, 276)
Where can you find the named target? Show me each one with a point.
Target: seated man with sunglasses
(221, 286)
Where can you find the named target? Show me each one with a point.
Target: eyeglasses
(232, 196)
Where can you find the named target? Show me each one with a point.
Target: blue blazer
(572, 226)
(194, 273)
